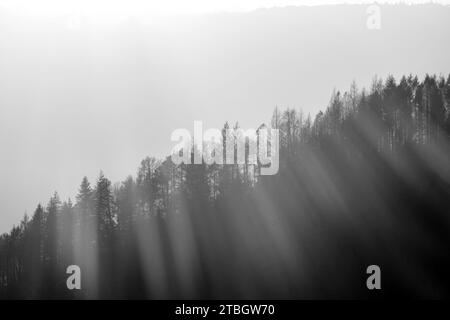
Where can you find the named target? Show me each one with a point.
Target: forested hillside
(367, 181)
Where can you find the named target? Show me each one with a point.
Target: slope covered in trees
(367, 181)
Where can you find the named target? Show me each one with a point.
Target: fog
(77, 97)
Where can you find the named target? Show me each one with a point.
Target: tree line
(367, 179)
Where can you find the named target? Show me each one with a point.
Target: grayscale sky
(99, 87)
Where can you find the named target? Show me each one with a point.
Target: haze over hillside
(76, 97)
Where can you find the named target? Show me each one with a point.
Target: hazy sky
(104, 9)
(82, 91)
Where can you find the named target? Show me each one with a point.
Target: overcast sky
(81, 91)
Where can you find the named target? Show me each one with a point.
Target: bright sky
(75, 100)
(120, 8)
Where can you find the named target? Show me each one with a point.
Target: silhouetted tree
(362, 182)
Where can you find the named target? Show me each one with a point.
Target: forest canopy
(373, 161)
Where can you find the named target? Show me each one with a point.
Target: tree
(103, 209)
(67, 233)
(36, 251)
(146, 184)
(85, 216)
(126, 203)
(364, 165)
(52, 245)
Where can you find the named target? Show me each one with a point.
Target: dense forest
(365, 182)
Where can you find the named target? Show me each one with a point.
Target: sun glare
(149, 8)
